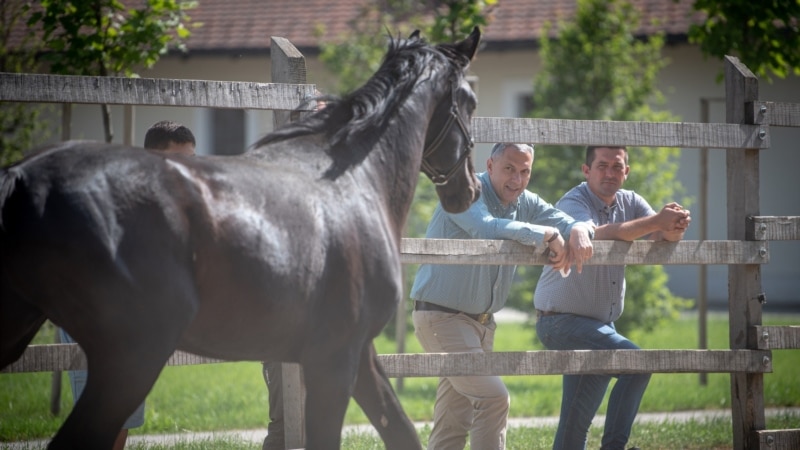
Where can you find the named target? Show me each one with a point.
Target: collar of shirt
(604, 212)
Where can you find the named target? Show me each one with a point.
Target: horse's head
(447, 159)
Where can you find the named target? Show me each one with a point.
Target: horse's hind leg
(119, 378)
(114, 389)
(375, 396)
(329, 380)
(127, 344)
(19, 322)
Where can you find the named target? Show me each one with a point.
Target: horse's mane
(348, 123)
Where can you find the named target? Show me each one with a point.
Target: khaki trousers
(474, 406)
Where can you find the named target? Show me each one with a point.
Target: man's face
(510, 171)
(607, 173)
(185, 148)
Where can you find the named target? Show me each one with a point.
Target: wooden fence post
(289, 66)
(744, 280)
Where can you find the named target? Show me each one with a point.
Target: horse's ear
(469, 46)
(414, 35)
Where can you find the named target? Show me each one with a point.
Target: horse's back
(84, 225)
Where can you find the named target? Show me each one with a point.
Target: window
(524, 105)
(228, 131)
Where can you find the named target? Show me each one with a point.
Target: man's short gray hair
(501, 146)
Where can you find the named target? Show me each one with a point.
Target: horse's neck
(397, 163)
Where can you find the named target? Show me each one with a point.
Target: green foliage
(609, 73)
(595, 69)
(20, 127)
(104, 37)
(20, 130)
(356, 55)
(455, 19)
(763, 35)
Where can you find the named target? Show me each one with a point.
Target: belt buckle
(483, 318)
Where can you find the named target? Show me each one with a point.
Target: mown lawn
(233, 395)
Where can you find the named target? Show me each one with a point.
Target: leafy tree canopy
(20, 126)
(764, 35)
(356, 55)
(104, 37)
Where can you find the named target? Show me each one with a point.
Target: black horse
(290, 252)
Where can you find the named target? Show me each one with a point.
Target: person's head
(606, 169)
(170, 137)
(509, 168)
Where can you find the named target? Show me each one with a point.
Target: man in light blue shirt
(577, 312)
(454, 304)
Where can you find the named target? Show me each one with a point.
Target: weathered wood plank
(779, 114)
(50, 357)
(776, 337)
(39, 88)
(181, 358)
(773, 228)
(287, 66)
(478, 251)
(776, 439)
(595, 132)
(744, 280)
(557, 362)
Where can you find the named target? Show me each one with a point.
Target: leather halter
(442, 178)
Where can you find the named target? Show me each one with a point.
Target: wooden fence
(743, 136)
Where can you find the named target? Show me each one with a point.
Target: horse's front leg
(376, 397)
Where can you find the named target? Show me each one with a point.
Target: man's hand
(557, 252)
(580, 246)
(580, 249)
(673, 221)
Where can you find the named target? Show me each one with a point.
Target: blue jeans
(583, 394)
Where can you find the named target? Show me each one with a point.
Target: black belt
(483, 318)
(540, 313)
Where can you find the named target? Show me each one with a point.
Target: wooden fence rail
(479, 251)
(744, 134)
(55, 357)
(38, 88)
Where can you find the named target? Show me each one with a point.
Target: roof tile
(248, 24)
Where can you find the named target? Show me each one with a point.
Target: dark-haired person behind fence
(454, 305)
(577, 312)
(169, 137)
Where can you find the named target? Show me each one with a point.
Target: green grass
(233, 395)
